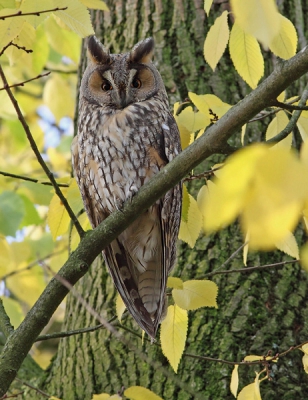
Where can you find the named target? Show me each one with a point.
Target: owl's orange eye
(106, 86)
(136, 83)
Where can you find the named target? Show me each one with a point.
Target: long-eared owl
(126, 135)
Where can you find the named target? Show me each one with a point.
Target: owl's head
(118, 80)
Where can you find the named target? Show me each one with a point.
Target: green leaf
(31, 216)
(12, 211)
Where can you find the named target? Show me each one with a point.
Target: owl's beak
(123, 99)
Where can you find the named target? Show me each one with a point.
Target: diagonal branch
(93, 242)
(39, 156)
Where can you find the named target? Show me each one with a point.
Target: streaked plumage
(126, 134)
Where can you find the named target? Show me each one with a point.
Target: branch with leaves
(93, 242)
(39, 156)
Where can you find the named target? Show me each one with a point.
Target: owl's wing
(172, 201)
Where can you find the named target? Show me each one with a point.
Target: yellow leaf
(304, 153)
(207, 6)
(104, 396)
(243, 132)
(193, 121)
(27, 285)
(234, 381)
(304, 256)
(10, 27)
(274, 199)
(86, 226)
(53, 398)
(58, 218)
(216, 40)
(246, 55)
(278, 123)
(59, 96)
(120, 307)
(196, 294)
(190, 229)
(206, 102)
(185, 134)
(289, 246)
(253, 358)
(174, 283)
(305, 348)
(173, 335)
(95, 4)
(25, 38)
(76, 17)
(140, 393)
(305, 363)
(13, 310)
(260, 18)
(246, 249)
(249, 392)
(28, 6)
(302, 125)
(5, 256)
(61, 40)
(285, 42)
(227, 197)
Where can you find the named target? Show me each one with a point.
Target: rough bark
(259, 311)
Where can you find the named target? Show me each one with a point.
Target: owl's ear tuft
(142, 52)
(97, 52)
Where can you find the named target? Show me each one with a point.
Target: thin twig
(263, 360)
(202, 175)
(39, 156)
(16, 45)
(227, 261)
(36, 13)
(26, 178)
(264, 114)
(251, 269)
(33, 387)
(23, 83)
(58, 335)
(31, 265)
(11, 396)
(289, 107)
(60, 71)
(293, 120)
(5, 324)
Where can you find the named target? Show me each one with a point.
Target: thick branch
(20, 342)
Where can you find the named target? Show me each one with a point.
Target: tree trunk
(260, 311)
